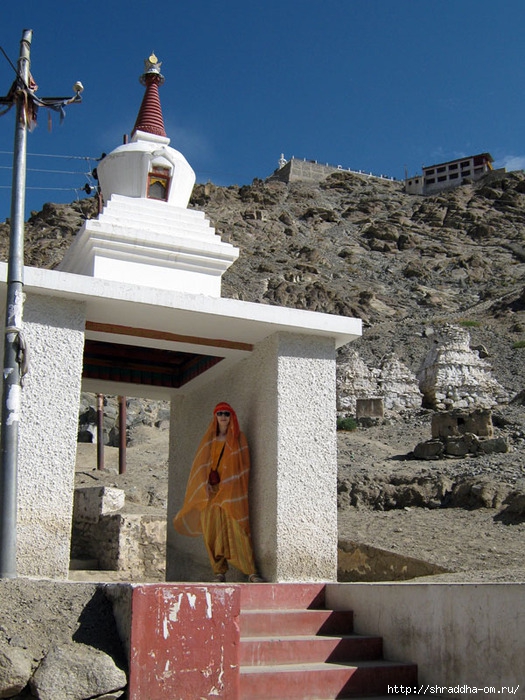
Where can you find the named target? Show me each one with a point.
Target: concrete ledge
(360, 562)
(91, 502)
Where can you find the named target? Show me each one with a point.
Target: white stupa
(146, 234)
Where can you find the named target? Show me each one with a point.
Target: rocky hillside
(360, 246)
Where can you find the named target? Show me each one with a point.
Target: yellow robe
(220, 513)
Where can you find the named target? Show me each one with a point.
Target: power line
(9, 60)
(65, 189)
(84, 173)
(41, 170)
(54, 155)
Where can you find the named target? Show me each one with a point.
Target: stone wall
(131, 543)
(459, 433)
(303, 170)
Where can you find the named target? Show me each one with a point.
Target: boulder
(461, 445)
(479, 493)
(15, 669)
(515, 503)
(431, 449)
(76, 672)
(494, 445)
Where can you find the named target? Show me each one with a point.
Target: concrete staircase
(293, 647)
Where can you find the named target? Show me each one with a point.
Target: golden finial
(152, 67)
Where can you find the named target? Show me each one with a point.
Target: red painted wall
(184, 642)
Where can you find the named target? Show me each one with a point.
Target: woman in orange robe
(216, 500)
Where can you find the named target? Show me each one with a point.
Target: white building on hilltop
(443, 176)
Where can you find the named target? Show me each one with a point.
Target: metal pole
(122, 415)
(100, 431)
(13, 327)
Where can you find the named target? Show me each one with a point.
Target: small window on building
(465, 173)
(465, 164)
(430, 181)
(441, 169)
(158, 183)
(429, 172)
(453, 176)
(453, 166)
(442, 178)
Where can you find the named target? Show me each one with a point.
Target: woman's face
(223, 420)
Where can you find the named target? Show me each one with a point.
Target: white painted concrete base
(54, 333)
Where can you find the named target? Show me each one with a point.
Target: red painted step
(263, 623)
(320, 680)
(282, 596)
(292, 647)
(259, 651)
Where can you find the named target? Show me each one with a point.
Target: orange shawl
(234, 470)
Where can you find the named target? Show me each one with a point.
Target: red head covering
(234, 423)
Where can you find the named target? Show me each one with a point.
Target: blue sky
(378, 85)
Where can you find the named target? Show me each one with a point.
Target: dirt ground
(476, 544)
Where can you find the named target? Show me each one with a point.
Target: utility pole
(22, 96)
(13, 326)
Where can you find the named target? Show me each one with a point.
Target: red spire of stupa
(149, 118)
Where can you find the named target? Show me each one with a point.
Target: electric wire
(42, 170)
(88, 188)
(9, 60)
(54, 155)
